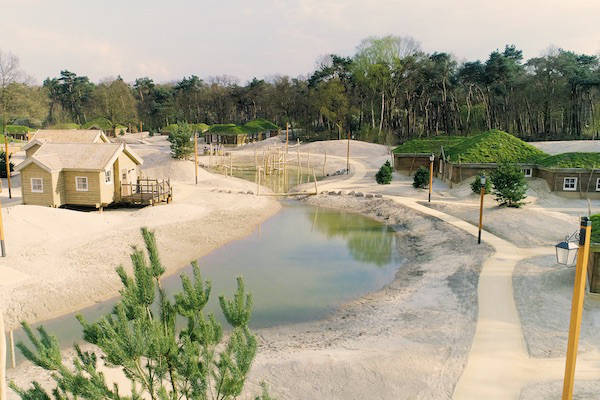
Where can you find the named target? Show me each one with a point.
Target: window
(598, 185)
(108, 176)
(570, 184)
(37, 185)
(81, 183)
(528, 172)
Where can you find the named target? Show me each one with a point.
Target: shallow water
(299, 265)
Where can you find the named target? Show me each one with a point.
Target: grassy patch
(492, 147)
(259, 125)
(227, 129)
(572, 160)
(64, 125)
(99, 123)
(429, 145)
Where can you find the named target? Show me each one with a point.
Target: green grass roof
(200, 127)
(227, 129)
(64, 125)
(260, 125)
(572, 160)
(429, 144)
(17, 129)
(99, 123)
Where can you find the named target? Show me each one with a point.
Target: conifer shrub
(181, 137)
(140, 337)
(3, 164)
(421, 179)
(384, 175)
(510, 186)
(476, 184)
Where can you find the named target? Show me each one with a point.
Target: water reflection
(368, 240)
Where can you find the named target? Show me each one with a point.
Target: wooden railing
(147, 191)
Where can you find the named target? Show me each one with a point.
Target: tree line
(388, 91)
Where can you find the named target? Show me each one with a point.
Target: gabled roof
(66, 136)
(78, 156)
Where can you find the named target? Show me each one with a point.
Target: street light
(482, 191)
(565, 254)
(431, 158)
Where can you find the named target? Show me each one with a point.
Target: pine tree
(384, 175)
(140, 338)
(510, 187)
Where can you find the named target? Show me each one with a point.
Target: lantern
(566, 252)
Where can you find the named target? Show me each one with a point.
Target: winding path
(498, 365)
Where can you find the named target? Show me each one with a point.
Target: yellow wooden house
(84, 174)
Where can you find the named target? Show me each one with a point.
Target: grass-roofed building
(461, 157)
(237, 135)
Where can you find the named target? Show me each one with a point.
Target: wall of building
(410, 163)
(41, 199)
(90, 198)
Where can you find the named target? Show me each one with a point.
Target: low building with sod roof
(83, 174)
(63, 136)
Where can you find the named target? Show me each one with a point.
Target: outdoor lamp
(482, 180)
(566, 252)
(431, 157)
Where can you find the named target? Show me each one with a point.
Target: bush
(3, 164)
(476, 184)
(384, 175)
(510, 186)
(421, 179)
(181, 141)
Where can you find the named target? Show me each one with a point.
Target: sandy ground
(412, 338)
(558, 147)
(62, 260)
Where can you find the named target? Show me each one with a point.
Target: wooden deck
(147, 192)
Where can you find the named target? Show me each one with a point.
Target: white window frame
(108, 176)
(598, 185)
(81, 189)
(569, 188)
(41, 185)
(528, 175)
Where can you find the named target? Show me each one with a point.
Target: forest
(390, 90)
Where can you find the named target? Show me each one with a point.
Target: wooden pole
(585, 232)
(7, 163)
(287, 136)
(348, 155)
(430, 179)
(315, 180)
(258, 184)
(2, 246)
(324, 163)
(196, 156)
(230, 165)
(2, 359)
(481, 212)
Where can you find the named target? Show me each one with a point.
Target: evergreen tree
(181, 138)
(141, 339)
(476, 184)
(510, 186)
(384, 175)
(421, 179)
(3, 164)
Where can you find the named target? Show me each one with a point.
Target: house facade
(84, 174)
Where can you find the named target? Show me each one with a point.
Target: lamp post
(482, 191)
(566, 252)
(431, 158)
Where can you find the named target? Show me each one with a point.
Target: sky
(166, 40)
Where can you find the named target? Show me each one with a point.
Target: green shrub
(476, 184)
(595, 228)
(510, 186)
(3, 164)
(384, 175)
(181, 141)
(421, 179)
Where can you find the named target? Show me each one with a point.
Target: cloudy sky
(169, 39)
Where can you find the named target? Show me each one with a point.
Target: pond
(299, 265)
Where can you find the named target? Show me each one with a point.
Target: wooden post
(7, 163)
(348, 156)
(430, 179)
(196, 156)
(258, 184)
(585, 231)
(481, 213)
(315, 180)
(2, 246)
(287, 137)
(324, 163)
(230, 165)
(2, 359)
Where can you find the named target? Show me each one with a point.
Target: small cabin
(63, 136)
(83, 174)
